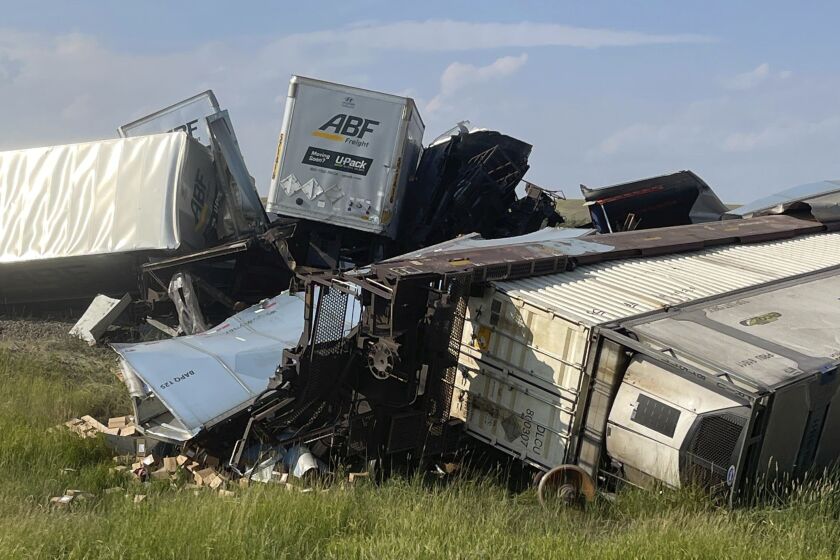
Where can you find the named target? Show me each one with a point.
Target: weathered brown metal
(507, 261)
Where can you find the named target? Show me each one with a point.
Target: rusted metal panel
(540, 258)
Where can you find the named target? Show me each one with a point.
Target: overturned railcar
(702, 354)
(716, 367)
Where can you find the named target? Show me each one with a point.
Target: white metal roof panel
(609, 291)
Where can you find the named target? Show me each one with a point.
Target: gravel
(31, 329)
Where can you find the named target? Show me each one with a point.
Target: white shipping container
(64, 206)
(526, 342)
(345, 155)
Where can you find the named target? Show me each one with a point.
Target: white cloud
(72, 87)
(448, 35)
(785, 131)
(458, 76)
(743, 146)
(696, 127)
(755, 77)
(67, 88)
(719, 126)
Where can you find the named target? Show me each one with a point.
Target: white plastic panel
(645, 449)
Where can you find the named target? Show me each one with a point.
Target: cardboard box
(119, 421)
(357, 476)
(94, 423)
(129, 431)
(205, 476)
(170, 464)
(161, 474)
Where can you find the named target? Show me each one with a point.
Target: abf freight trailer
(345, 156)
(716, 367)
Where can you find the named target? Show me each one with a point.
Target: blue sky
(743, 93)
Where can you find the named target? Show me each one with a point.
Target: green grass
(45, 382)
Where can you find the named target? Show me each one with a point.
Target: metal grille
(716, 438)
(520, 269)
(444, 368)
(492, 166)
(325, 349)
(702, 476)
(329, 320)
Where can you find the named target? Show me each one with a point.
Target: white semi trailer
(79, 219)
(345, 155)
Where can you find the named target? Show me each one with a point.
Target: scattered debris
(182, 385)
(69, 497)
(817, 201)
(467, 183)
(669, 200)
(425, 307)
(103, 311)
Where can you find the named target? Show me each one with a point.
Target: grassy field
(46, 379)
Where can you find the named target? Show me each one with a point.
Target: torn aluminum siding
(475, 241)
(601, 293)
(182, 385)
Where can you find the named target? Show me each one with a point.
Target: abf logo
(345, 127)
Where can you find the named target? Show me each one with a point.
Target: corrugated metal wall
(609, 291)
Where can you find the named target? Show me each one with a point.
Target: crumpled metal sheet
(182, 293)
(668, 200)
(822, 199)
(475, 241)
(202, 379)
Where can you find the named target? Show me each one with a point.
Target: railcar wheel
(569, 484)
